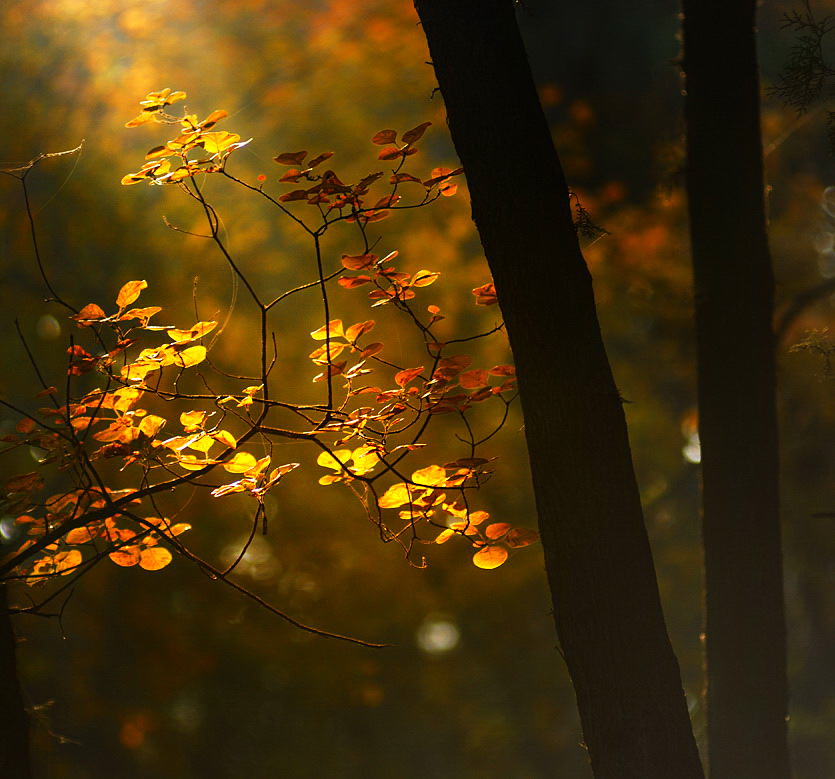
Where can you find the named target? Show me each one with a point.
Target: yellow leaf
(155, 558)
(193, 420)
(202, 443)
(130, 292)
(191, 356)
(394, 496)
(196, 331)
(423, 278)
(241, 462)
(225, 438)
(192, 462)
(490, 557)
(333, 328)
(220, 141)
(125, 398)
(432, 475)
(334, 461)
(444, 536)
(151, 425)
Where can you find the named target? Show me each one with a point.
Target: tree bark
(747, 689)
(597, 556)
(14, 721)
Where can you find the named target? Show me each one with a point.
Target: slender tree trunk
(747, 690)
(598, 561)
(14, 721)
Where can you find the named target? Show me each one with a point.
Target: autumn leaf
(423, 278)
(150, 425)
(359, 261)
(241, 462)
(196, 331)
(130, 292)
(521, 536)
(89, 314)
(126, 556)
(384, 137)
(394, 496)
(190, 357)
(416, 133)
(291, 158)
(432, 475)
(154, 558)
(490, 557)
(485, 295)
(333, 330)
(402, 378)
(474, 379)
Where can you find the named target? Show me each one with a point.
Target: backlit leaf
(333, 329)
(334, 460)
(151, 425)
(240, 462)
(196, 331)
(155, 558)
(90, 313)
(402, 378)
(130, 292)
(394, 496)
(496, 530)
(191, 356)
(490, 557)
(126, 556)
(415, 134)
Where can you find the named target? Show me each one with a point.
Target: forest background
(164, 674)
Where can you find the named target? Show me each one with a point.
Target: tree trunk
(597, 556)
(14, 721)
(747, 690)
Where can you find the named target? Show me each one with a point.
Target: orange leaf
(496, 530)
(349, 282)
(326, 155)
(126, 556)
(485, 295)
(474, 379)
(130, 292)
(155, 558)
(490, 557)
(404, 377)
(384, 137)
(521, 536)
(90, 313)
(359, 261)
(291, 158)
(415, 134)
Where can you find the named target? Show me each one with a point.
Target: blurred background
(168, 674)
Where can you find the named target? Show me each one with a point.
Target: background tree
(745, 631)
(600, 570)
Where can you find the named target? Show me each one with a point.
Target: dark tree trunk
(14, 721)
(600, 570)
(747, 690)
